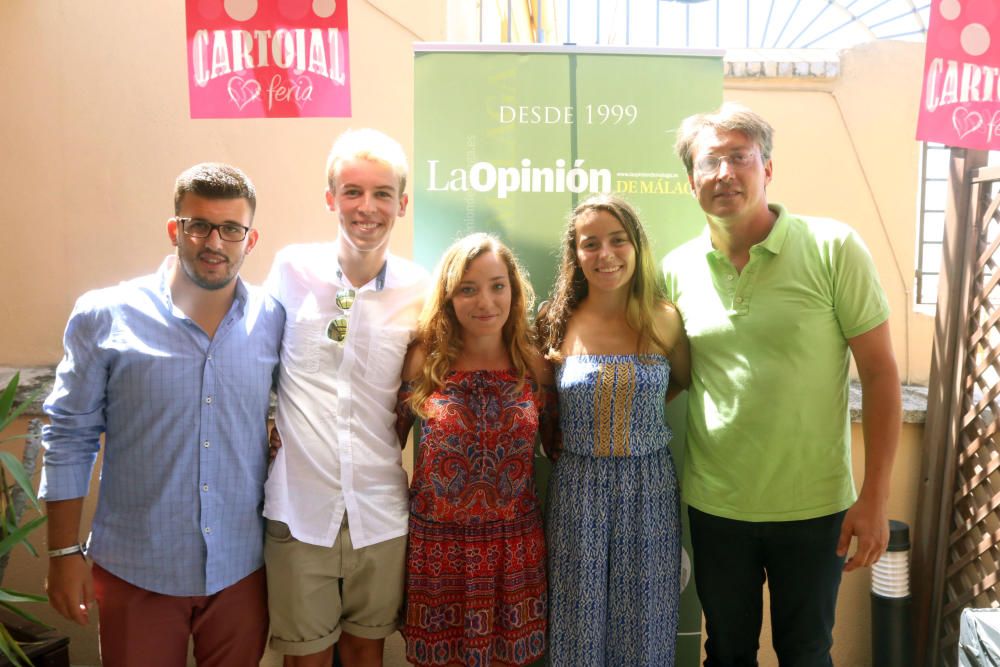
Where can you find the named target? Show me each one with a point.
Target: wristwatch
(68, 551)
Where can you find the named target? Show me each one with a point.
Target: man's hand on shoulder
(670, 327)
(70, 587)
(867, 523)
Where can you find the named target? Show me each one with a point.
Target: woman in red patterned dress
(476, 585)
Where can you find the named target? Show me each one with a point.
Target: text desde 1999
(589, 114)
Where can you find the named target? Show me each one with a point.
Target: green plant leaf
(7, 595)
(22, 613)
(7, 527)
(30, 547)
(17, 471)
(9, 599)
(7, 400)
(20, 534)
(6, 646)
(11, 649)
(5, 421)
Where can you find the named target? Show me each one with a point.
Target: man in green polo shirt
(774, 305)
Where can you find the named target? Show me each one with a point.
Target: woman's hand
(273, 443)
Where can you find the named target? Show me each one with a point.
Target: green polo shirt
(768, 434)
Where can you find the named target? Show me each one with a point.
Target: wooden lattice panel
(972, 572)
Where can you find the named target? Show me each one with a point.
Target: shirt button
(739, 299)
(208, 401)
(204, 487)
(208, 530)
(209, 357)
(206, 444)
(729, 277)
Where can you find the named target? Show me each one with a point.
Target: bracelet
(67, 551)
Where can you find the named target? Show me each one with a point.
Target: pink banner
(268, 58)
(960, 105)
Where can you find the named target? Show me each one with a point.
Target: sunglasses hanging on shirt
(336, 330)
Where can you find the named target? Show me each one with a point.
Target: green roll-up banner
(508, 139)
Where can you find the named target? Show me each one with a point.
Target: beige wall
(93, 141)
(845, 148)
(95, 129)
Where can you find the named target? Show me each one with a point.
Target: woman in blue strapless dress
(613, 521)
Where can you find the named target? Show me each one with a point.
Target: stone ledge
(914, 403)
(781, 64)
(914, 396)
(34, 379)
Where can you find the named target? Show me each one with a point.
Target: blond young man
(336, 497)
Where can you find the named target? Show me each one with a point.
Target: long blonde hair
(645, 293)
(438, 330)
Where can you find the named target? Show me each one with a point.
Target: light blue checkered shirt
(184, 418)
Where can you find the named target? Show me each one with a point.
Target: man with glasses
(175, 370)
(336, 497)
(774, 305)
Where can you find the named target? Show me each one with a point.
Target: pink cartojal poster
(960, 105)
(268, 58)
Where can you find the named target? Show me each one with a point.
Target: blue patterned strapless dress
(613, 517)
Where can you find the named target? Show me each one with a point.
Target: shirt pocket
(300, 346)
(386, 350)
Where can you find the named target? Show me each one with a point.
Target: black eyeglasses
(202, 229)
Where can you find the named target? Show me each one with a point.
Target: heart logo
(966, 122)
(243, 91)
(302, 91)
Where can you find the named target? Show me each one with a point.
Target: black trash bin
(892, 613)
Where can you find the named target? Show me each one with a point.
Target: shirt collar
(379, 277)
(779, 232)
(705, 241)
(772, 243)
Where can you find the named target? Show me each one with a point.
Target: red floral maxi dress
(475, 568)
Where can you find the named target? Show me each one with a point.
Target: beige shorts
(316, 592)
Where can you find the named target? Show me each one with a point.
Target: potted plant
(16, 494)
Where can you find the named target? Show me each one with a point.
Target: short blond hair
(367, 144)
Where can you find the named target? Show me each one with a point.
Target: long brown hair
(645, 292)
(438, 330)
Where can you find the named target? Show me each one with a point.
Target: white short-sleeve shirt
(336, 401)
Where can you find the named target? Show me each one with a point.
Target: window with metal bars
(930, 217)
(930, 224)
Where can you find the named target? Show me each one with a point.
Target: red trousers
(139, 628)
